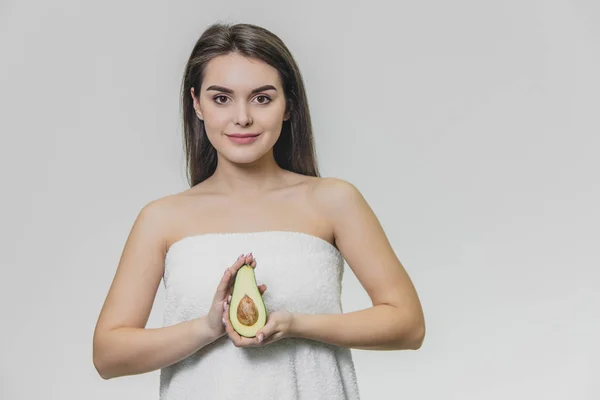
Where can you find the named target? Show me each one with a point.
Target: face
(242, 104)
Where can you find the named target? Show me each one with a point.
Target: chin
(243, 155)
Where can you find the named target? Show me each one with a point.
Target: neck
(247, 179)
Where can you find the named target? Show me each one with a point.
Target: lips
(243, 138)
(243, 135)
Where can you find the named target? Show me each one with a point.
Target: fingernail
(229, 298)
(260, 338)
(224, 306)
(224, 323)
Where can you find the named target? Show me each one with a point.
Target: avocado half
(247, 311)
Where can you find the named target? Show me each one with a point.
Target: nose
(243, 115)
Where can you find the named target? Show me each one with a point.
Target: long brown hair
(294, 150)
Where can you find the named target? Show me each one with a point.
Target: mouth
(243, 138)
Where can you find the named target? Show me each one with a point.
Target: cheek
(270, 118)
(215, 122)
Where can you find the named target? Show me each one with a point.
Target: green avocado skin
(245, 284)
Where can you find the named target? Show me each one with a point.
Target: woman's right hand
(215, 315)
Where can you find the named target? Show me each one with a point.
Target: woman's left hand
(277, 327)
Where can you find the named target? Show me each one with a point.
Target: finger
(228, 327)
(236, 338)
(240, 262)
(234, 269)
(223, 285)
(266, 331)
(245, 259)
(223, 289)
(233, 335)
(262, 289)
(248, 259)
(253, 263)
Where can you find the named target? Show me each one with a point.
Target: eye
(219, 97)
(264, 97)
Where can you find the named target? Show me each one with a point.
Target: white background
(472, 128)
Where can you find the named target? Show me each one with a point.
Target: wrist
(208, 333)
(292, 330)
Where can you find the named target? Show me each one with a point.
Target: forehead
(239, 73)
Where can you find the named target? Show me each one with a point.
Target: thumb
(221, 291)
(267, 330)
(262, 289)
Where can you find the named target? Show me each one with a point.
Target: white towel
(303, 273)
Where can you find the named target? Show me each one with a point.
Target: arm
(125, 351)
(395, 321)
(121, 344)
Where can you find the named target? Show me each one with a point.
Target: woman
(255, 198)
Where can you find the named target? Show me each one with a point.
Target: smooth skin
(249, 192)
(126, 348)
(394, 322)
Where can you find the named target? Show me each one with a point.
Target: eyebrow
(227, 90)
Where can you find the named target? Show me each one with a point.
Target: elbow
(101, 370)
(417, 337)
(413, 333)
(417, 333)
(100, 361)
(101, 367)
(106, 370)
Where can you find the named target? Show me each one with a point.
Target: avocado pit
(247, 313)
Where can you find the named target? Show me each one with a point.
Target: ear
(287, 115)
(196, 104)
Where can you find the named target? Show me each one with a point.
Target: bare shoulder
(334, 196)
(348, 213)
(158, 212)
(335, 186)
(166, 207)
(156, 209)
(157, 220)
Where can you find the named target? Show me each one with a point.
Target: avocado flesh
(247, 311)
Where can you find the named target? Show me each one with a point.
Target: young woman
(255, 199)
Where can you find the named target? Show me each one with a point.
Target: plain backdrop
(471, 127)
